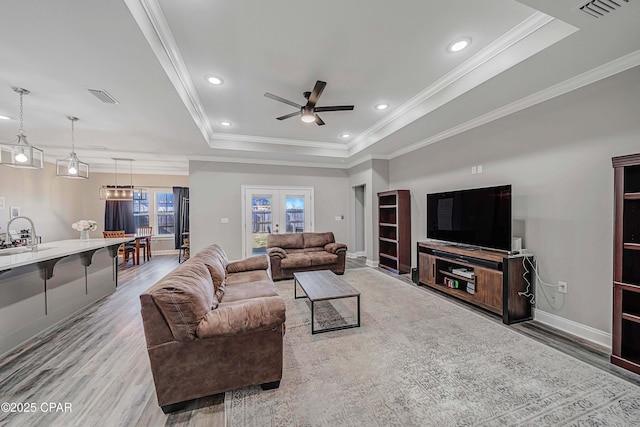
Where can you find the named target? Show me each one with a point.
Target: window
(140, 208)
(164, 213)
(154, 208)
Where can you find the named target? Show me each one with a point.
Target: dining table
(138, 238)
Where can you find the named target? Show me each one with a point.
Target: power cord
(527, 292)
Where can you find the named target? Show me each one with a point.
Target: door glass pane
(261, 223)
(295, 214)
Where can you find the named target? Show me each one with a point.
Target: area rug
(420, 360)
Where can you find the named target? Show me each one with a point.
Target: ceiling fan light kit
(308, 112)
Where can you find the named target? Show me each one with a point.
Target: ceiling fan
(308, 112)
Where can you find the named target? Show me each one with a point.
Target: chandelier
(120, 192)
(71, 166)
(19, 153)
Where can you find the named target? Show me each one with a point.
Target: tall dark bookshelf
(626, 263)
(394, 231)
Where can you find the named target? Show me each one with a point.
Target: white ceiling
(153, 57)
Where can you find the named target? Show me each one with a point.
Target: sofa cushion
(257, 289)
(322, 258)
(248, 316)
(247, 276)
(184, 297)
(295, 250)
(216, 261)
(296, 260)
(317, 239)
(285, 241)
(258, 262)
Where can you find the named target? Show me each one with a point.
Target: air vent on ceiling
(600, 8)
(103, 96)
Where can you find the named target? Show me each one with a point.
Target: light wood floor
(97, 362)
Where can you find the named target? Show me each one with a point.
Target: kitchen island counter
(40, 289)
(51, 250)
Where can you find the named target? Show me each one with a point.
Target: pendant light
(19, 153)
(71, 166)
(121, 192)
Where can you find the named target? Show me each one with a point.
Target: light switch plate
(224, 220)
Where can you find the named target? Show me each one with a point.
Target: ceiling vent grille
(600, 8)
(103, 96)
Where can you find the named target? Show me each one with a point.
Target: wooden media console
(495, 278)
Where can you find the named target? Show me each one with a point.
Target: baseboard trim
(370, 263)
(574, 328)
(356, 254)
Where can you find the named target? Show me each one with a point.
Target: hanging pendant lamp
(19, 153)
(71, 166)
(119, 192)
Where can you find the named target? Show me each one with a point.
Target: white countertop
(57, 249)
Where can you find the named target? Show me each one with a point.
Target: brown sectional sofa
(294, 252)
(212, 325)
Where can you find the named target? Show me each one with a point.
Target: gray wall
(215, 192)
(557, 156)
(373, 175)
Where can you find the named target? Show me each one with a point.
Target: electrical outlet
(562, 287)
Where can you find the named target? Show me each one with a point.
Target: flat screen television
(477, 217)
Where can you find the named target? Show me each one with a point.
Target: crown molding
(152, 22)
(521, 31)
(601, 72)
(277, 141)
(271, 162)
(291, 163)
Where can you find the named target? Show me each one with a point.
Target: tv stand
(497, 278)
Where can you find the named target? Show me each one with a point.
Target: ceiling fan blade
(286, 101)
(319, 121)
(335, 108)
(315, 93)
(287, 116)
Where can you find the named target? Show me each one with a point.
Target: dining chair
(124, 249)
(146, 243)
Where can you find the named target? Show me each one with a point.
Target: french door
(274, 210)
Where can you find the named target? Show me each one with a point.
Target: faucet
(33, 242)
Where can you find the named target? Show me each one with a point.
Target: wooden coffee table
(324, 285)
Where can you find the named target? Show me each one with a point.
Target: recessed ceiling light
(457, 46)
(382, 106)
(225, 123)
(214, 80)
(345, 135)
(5, 117)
